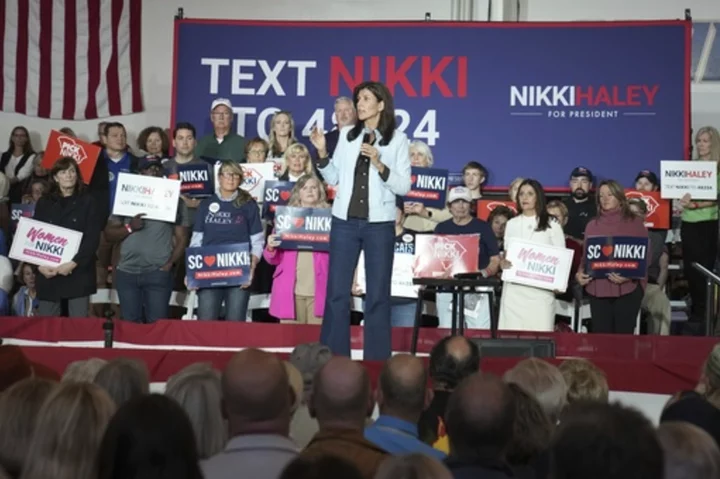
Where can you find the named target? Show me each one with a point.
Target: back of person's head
(320, 467)
(412, 466)
(68, 431)
(543, 381)
(19, 408)
(341, 393)
(694, 409)
(297, 386)
(83, 371)
(479, 418)
(599, 441)
(15, 366)
(453, 359)
(403, 388)
(689, 452)
(150, 436)
(532, 429)
(585, 381)
(710, 379)
(308, 358)
(197, 390)
(123, 379)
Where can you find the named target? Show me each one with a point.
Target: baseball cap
(149, 161)
(459, 193)
(582, 171)
(649, 175)
(220, 101)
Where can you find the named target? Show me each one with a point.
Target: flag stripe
(32, 92)
(57, 62)
(69, 65)
(9, 48)
(82, 65)
(47, 78)
(3, 7)
(21, 57)
(123, 63)
(135, 46)
(93, 56)
(105, 46)
(113, 71)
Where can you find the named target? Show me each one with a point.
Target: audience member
(197, 389)
(693, 409)
(402, 396)
(256, 403)
(154, 142)
(124, 379)
(308, 359)
(689, 452)
(479, 420)
(321, 467)
(341, 402)
(25, 301)
(532, 430)
(149, 437)
(345, 115)
(584, 380)
(581, 206)
(452, 359)
(599, 441)
(296, 386)
(19, 408)
(222, 143)
(543, 381)
(83, 371)
(413, 466)
(15, 366)
(16, 162)
(710, 377)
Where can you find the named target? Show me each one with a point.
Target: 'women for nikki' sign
(43, 244)
(541, 266)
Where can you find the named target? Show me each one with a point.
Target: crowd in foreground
(312, 417)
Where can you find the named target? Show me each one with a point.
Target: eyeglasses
(256, 152)
(230, 176)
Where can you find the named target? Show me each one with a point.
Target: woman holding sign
(614, 299)
(526, 308)
(66, 204)
(370, 166)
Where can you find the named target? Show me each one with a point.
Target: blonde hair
(557, 204)
(584, 380)
(711, 376)
(688, 451)
(83, 371)
(300, 183)
(233, 167)
(296, 385)
(272, 139)
(422, 148)
(714, 135)
(294, 149)
(543, 381)
(197, 389)
(67, 436)
(515, 185)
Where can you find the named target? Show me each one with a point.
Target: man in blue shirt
(402, 396)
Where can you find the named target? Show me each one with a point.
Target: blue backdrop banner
(524, 99)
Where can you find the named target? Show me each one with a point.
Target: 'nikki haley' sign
(624, 255)
(429, 187)
(217, 266)
(614, 94)
(196, 181)
(303, 228)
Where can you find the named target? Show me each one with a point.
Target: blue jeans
(402, 312)
(377, 241)
(144, 297)
(236, 303)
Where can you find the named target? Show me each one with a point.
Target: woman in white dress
(525, 308)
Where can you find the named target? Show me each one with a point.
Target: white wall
(157, 33)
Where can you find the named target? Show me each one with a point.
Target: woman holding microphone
(370, 166)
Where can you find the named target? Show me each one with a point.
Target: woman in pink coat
(300, 279)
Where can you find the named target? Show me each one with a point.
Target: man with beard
(581, 205)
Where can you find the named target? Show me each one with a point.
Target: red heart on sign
(285, 195)
(298, 222)
(607, 250)
(413, 178)
(209, 260)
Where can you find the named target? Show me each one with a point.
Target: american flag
(70, 59)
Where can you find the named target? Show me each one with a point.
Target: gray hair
(124, 379)
(422, 148)
(83, 371)
(544, 382)
(341, 99)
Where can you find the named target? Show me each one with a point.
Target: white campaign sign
(402, 276)
(157, 198)
(541, 266)
(697, 178)
(43, 244)
(255, 176)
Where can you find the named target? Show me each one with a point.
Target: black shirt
(579, 215)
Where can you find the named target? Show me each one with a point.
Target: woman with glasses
(230, 216)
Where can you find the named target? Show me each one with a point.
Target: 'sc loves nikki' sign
(60, 145)
(428, 186)
(18, 210)
(43, 244)
(541, 266)
(443, 256)
(303, 228)
(623, 255)
(696, 178)
(485, 207)
(659, 209)
(218, 266)
(277, 193)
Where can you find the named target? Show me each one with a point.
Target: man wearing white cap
(223, 143)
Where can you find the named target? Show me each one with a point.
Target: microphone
(367, 138)
(108, 327)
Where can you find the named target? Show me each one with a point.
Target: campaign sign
(156, 198)
(485, 207)
(43, 244)
(541, 266)
(658, 215)
(428, 186)
(18, 210)
(401, 282)
(303, 228)
(256, 174)
(624, 255)
(697, 178)
(443, 256)
(277, 193)
(195, 180)
(84, 153)
(218, 265)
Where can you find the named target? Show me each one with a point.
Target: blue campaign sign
(429, 187)
(18, 211)
(196, 181)
(218, 266)
(303, 228)
(624, 255)
(525, 99)
(277, 193)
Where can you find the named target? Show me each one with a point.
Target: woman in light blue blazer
(370, 166)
